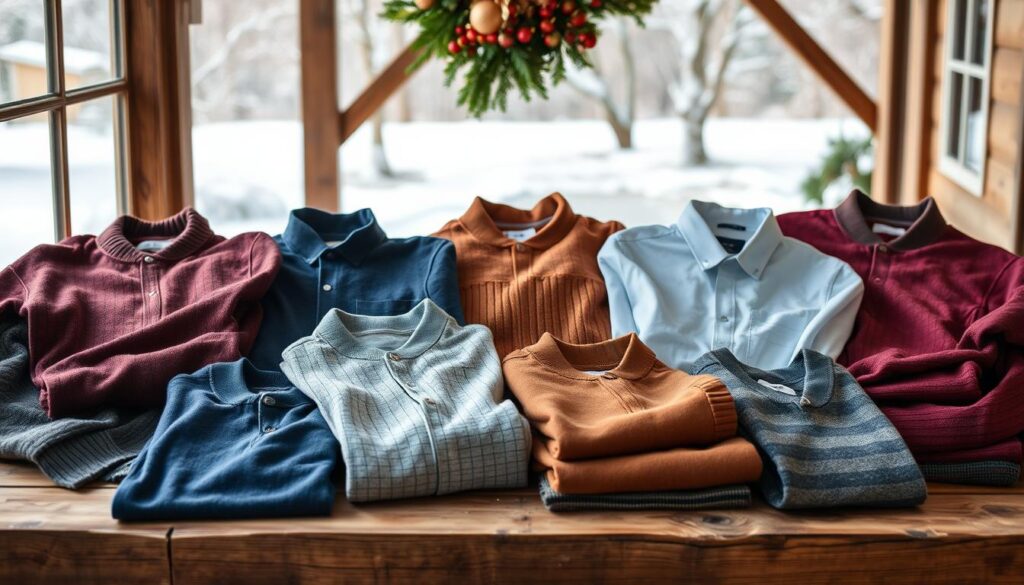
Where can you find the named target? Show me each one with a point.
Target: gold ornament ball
(424, 4)
(485, 16)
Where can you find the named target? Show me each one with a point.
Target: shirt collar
(815, 371)
(187, 232)
(309, 230)
(625, 357)
(424, 324)
(924, 222)
(482, 219)
(238, 381)
(694, 226)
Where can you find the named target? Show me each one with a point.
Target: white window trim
(971, 181)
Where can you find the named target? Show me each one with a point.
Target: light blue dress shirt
(722, 277)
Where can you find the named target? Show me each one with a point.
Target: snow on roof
(76, 61)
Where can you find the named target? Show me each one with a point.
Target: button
(609, 376)
(269, 400)
(269, 429)
(878, 279)
(327, 287)
(147, 259)
(723, 319)
(394, 356)
(883, 249)
(804, 401)
(429, 401)
(521, 247)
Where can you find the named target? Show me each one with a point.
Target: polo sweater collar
(422, 326)
(813, 371)
(552, 214)
(188, 232)
(309, 230)
(624, 357)
(924, 222)
(235, 382)
(694, 226)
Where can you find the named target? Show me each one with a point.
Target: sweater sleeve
(830, 329)
(443, 281)
(610, 261)
(13, 291)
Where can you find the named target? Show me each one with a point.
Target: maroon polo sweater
(110, 324)
(939, 340)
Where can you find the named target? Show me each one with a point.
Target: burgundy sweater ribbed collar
(188, 231)
(923, 222)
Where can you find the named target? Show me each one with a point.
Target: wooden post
(818, 60)
(321, 131)
(892, 92)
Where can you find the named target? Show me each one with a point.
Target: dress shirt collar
(624, 357)
(924, 222)
(695, 226)
(187, 232)
(422, 326)
(552, 214)
(814, 371)
(309, 230)
(235, 382)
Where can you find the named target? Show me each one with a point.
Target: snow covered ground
(249, 174)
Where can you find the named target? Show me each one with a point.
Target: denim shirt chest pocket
(773, 335)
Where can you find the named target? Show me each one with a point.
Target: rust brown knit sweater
(547, 282)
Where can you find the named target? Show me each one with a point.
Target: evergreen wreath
(506, 44)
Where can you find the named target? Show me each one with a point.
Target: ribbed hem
(723, 409)
(992, 473)
(722, 497)
(73, 463)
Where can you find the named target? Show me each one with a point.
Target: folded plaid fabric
(729, 496)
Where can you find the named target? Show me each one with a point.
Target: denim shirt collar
(422, 327)
(693, 225)
(309, 230)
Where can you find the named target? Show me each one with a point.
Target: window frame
(952, 167)
(59, 98)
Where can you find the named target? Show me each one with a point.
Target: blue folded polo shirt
(233, 442)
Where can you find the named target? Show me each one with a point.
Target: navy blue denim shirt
(233, 442)
(346, 261)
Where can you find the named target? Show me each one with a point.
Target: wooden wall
(993, 217)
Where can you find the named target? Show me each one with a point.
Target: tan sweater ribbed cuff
(723, 409)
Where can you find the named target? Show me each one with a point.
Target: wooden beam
(321, 132)
(373, 97)
(818, 60)
(892, 92)
(157, 145)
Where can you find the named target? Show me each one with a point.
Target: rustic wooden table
(961, 535)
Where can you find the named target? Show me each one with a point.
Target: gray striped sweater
(823, 441)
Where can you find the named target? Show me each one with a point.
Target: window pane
(23, 69)
(25, 187)
(92, 170)
(959, 28)
(246, 133)
(981, 15)
(88, 42)
(953, 120)
(975, 144)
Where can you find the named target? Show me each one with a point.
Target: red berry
(578, 19)
(524, 35)
(471, 36)
(595, 3)
(491, 39)
(459, 30)
(505, 40)
(588, 40)
(570, 37)
(568, 7)
(552, 40)
(463, 41)
(546, 12)
(513, 8)
(454, 47)
(547, 26)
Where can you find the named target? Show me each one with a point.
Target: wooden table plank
(53, 535)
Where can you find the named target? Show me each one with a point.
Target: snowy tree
(596, 85)
(707, 35)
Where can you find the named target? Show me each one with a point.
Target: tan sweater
(548, 281)
(609, 417)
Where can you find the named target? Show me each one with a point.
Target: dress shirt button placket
(880, 263)
(724, 306)
(325, 299)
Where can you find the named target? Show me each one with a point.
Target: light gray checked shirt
(415, 401)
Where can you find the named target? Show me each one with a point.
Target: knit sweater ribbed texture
(548, 282)
(715, 498)
(70, 451)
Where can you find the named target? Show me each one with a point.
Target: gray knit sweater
(70, 451)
